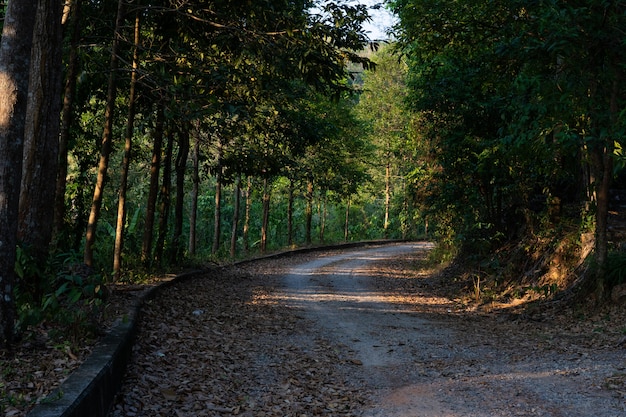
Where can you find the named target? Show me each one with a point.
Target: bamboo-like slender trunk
(193, 216)
(233, 235)
(107, 138)
(72, 13)
(128, 140)
(153, 193)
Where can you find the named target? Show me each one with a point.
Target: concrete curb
(90, 390)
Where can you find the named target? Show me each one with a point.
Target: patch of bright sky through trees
(382, 19)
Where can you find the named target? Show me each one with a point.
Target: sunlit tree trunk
(387, 197)
(41, 141)
(195, 178)
(233, 235)
(72, 13)
(128, 138)
(181, 167)
(153, 192)
(15, 51)
(107, 138)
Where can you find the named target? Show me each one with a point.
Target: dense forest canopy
(138, 135)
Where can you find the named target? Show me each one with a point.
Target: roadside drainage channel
(91, 389)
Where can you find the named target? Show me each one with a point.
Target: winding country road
(356, 332)
(431, 367)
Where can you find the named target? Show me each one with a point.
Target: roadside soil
(363, 332)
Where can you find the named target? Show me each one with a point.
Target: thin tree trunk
(130, 126)
(181, 167)
(194, 193)
(246, 223)
(41, 141)
(15, 51)
(266, 215)
(153, 193)
(217, 214)
(387, 197)
(107, 138)
(66, 117)
(233, 235)
(166, 189)
(323, 212)
(347, 222)
(290, 214)
(308, 212)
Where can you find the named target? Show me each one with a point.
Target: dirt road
(424, 367)
(357, 333)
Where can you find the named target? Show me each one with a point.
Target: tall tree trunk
(128, 139)
(166, 189)
(246, 223)
(602, 158)
(41, 140)
(194, 192)
(73, 14)
(308, 211)
(347, 222)
(266, 215)
(323, 201)
(233, 235)
(387, 197)
(153, 192)
(107, 138)
(181, 167)
(217, 214)
(15, 51)
(290, 214)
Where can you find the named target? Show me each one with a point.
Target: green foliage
(615, 269)
(72, 302)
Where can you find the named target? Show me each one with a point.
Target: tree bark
(217, 214)
(15, 52)
(107, 138)
(194, 193)
(387, 197)
(181, 166)
(164, 209)
(153, 193)
(290, 214)
(246, 223)
(347, 221)
(323, 212)
(266, 215)
(41, 141)
(233, 235)
(66, 119)
(128, 140)
(308, 211)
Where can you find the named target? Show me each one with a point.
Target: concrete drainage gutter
(90, 390)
